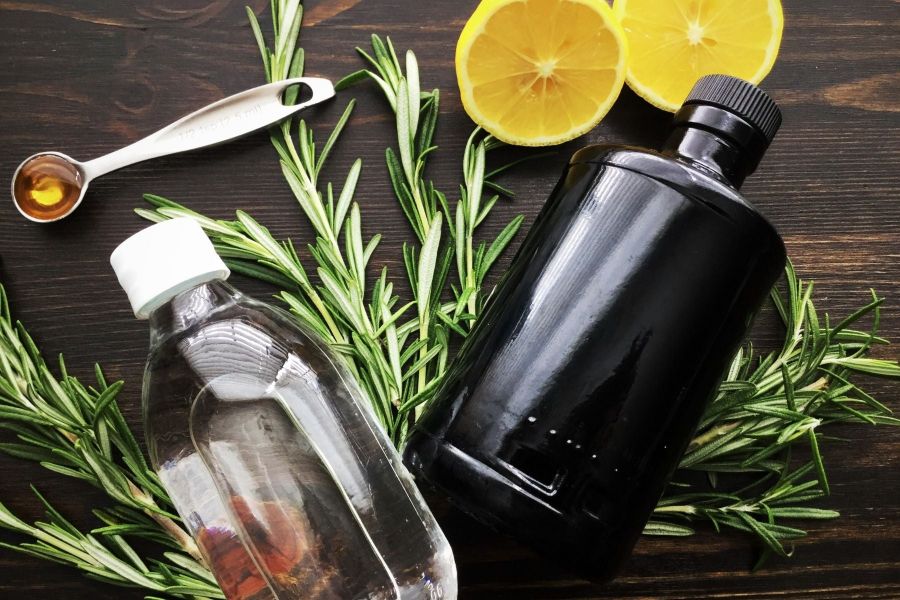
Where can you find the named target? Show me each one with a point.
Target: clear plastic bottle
(265, 444)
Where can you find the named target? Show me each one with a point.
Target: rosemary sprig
(425, 207)
(764, 409)
(426, 266)
(79, 431)
(416, 114)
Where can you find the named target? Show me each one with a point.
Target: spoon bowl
(49, 186)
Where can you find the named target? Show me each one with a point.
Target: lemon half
(540, 72)
(676, 42)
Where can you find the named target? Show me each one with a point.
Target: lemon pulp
(540, 72)
(674, 43)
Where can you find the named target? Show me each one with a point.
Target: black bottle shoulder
(691, 180)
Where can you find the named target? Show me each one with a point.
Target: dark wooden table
(86, 77)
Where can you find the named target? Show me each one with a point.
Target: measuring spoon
(49, 186)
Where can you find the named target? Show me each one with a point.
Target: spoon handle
(221, 121)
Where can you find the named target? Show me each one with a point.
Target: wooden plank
(87, 76)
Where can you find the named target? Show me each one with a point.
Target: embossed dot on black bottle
(577, 392)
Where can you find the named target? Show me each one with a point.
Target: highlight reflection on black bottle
(574, 397)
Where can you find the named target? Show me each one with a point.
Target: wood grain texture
(88, 76)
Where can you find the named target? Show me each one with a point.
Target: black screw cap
(741, 98)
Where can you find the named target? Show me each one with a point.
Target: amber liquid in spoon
(47, 186)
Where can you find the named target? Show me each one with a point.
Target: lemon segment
(676, 42)
(540, 72)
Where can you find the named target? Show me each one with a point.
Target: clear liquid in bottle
(274, 462)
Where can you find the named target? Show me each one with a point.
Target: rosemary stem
(713, 434)
(175, 531)
(470, 273)
(422, 214)
(423, 352)
(336, 332)
(819, 384)
(682, 509)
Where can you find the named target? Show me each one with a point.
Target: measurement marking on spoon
(222, 123)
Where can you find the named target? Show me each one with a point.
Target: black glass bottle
(580, 387)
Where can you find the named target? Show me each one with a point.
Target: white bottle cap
(163, 260)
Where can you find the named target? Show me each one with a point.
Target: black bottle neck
(190, 307)
(717, 141)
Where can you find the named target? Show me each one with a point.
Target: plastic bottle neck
(190, 307)
(716, 140)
